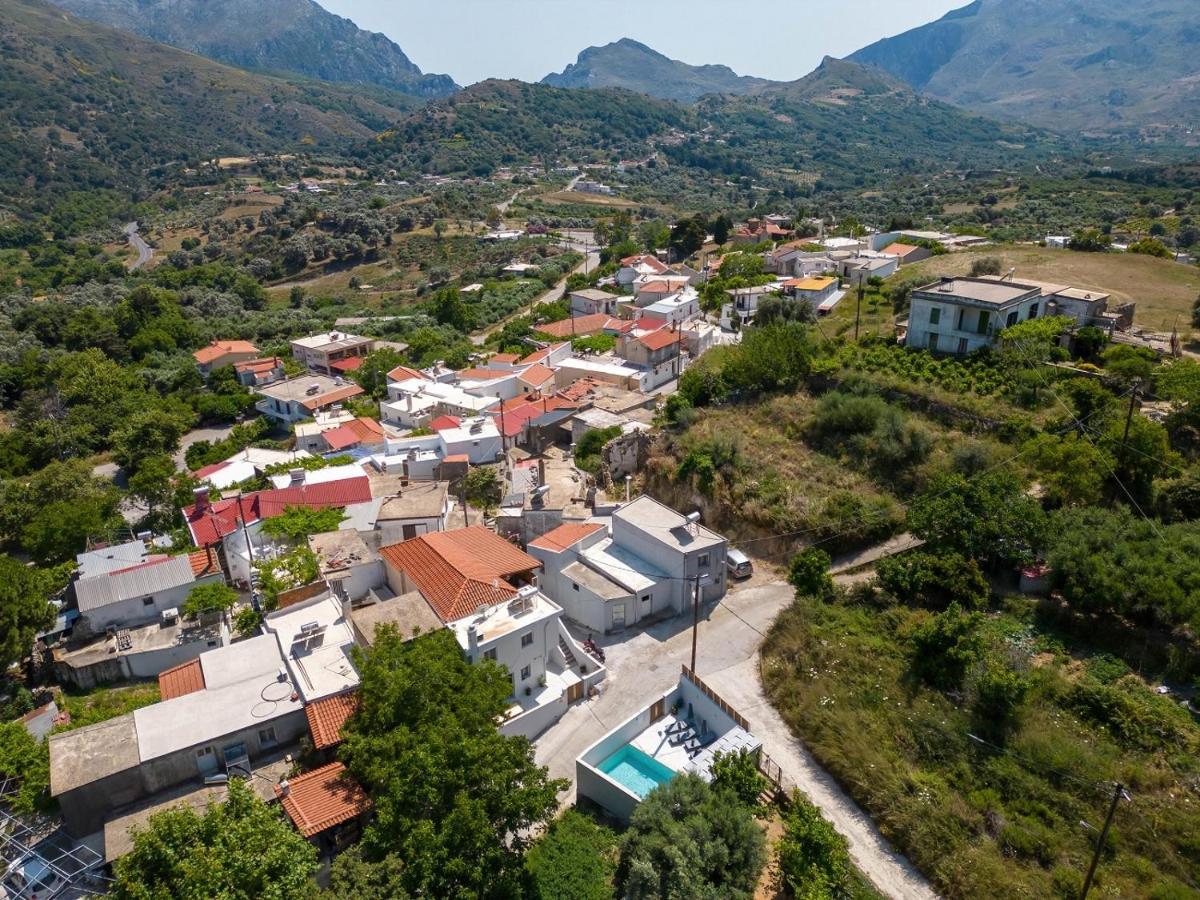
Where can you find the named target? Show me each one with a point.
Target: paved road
(144, 251)
(647, 663)
(211, 434)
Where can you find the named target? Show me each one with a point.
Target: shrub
(208, 598)
(814, 860)
(738, 774)
(946, 647)
(934, 580)
(573, 859)
(808, 572)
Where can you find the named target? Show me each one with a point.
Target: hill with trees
(89, 108)
(281, 35)
(1081, 65)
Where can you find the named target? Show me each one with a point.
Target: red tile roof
(349, 364)
(217, 349)
(350, 434)
(441, 423)
(538, 356)
(581, 326)
(185, 679)
(403, 373)
(644, 259)
(536, 375)
(210, 469)
(650, 323)
(482, 374)
(342, 393)
(204, 562)
(655, 287)
(899, 249)
(459, 571)
(565, 536)
(504, 358)
(268, 364)
(318, 800)
(213, 522)
(327, 716)
(658, 340)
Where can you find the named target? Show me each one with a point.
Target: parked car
(738, 564)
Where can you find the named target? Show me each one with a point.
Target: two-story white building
(960, 315)
(642, 563)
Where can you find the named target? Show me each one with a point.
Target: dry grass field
(1163, 290)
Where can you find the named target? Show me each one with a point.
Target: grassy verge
(997, 821)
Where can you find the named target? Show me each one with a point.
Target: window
(527, 639)
(984, 321)
(935, 315)
(525, 673)
(490, 654)
(646, 598)
(1033, 311)
(1011, 320)
(266, 737)
(933, 339)
(702, 560)
(962, 345)
(574, 586)
(147, 601)
(203, 752)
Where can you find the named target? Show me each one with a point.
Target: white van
(738, 564)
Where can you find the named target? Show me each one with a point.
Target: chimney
(541, 470)
(472, 638)
(284, 788)
(297, 475)
(201, 497)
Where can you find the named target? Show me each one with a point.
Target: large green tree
(455, 800)
(689, 841)
(240, 848)
(814, 860)
(573, 860)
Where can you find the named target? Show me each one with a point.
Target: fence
(715, 698)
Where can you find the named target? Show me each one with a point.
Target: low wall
(534, 721)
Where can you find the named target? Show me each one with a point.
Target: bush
(946, 647)
(934, 580)
(814, 860)
(573, 859)
(738, 774)
(986, 265)
(809, 574)
(209, 598)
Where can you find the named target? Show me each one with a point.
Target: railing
(715, 698)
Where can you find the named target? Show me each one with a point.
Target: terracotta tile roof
(327, 716)
(457, 458)
(204, 562)
(504, 358)
(357, 431)
(658, 340)
(258, 365)
(651, 262)
(482, 374)
(342, 393)
(581, 326)
(217, 349)
(185, 679)
(441, 423)
(565, 536)
(213, 522)
(210, 469)
(318, 800)
(812, 283)
(650, 323)
(899, 249)
(538, 356)
(403, 373)
(459, 571)
(655, 287)
(349, 364)
(536, 375)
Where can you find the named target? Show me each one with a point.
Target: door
(410, 532)
(206, 761)
(658, 710)
(575, 692)
(618, 617)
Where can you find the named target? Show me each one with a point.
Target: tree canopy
(24, 606)
(239, 848)
(455, 800)
(573, 860)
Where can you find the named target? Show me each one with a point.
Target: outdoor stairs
(567, 654)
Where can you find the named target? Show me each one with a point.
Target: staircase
(566, 653)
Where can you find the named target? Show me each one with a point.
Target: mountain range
(635, 67)
(1092, 66)
(89, 107)
(274, 35)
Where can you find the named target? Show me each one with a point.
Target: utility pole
(695, 621)
(1118, 793)
(1133, 396)
(858, 307)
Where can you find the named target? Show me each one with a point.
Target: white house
(302, 398)
(140, 594)
(332, 353)
(414, 402)
(643, 563)
(591, 302)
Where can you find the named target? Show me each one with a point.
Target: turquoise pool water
(635, 770)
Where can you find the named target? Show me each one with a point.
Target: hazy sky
(476, 39)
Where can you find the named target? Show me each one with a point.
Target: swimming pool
(635, 770)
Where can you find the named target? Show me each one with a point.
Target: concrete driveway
(644, 663)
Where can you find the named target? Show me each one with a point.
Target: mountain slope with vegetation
(282, 35)
(89, 108)
(1085, 65)
(635, 67)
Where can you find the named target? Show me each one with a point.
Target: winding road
(144, 251)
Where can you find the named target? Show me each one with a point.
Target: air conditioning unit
(170, 616)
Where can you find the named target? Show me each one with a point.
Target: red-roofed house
(459, 571)
(223, 353)
(549, 356)
(325, 805)
(357, 434)
(185, 679)
(349, 364)
(658, 352)
(445, 423)
(301, 398)
(254, 372)
(582, 326)
(634, 267)
(907, 253)
(326, 717)
(537, 378)
(404, 373)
